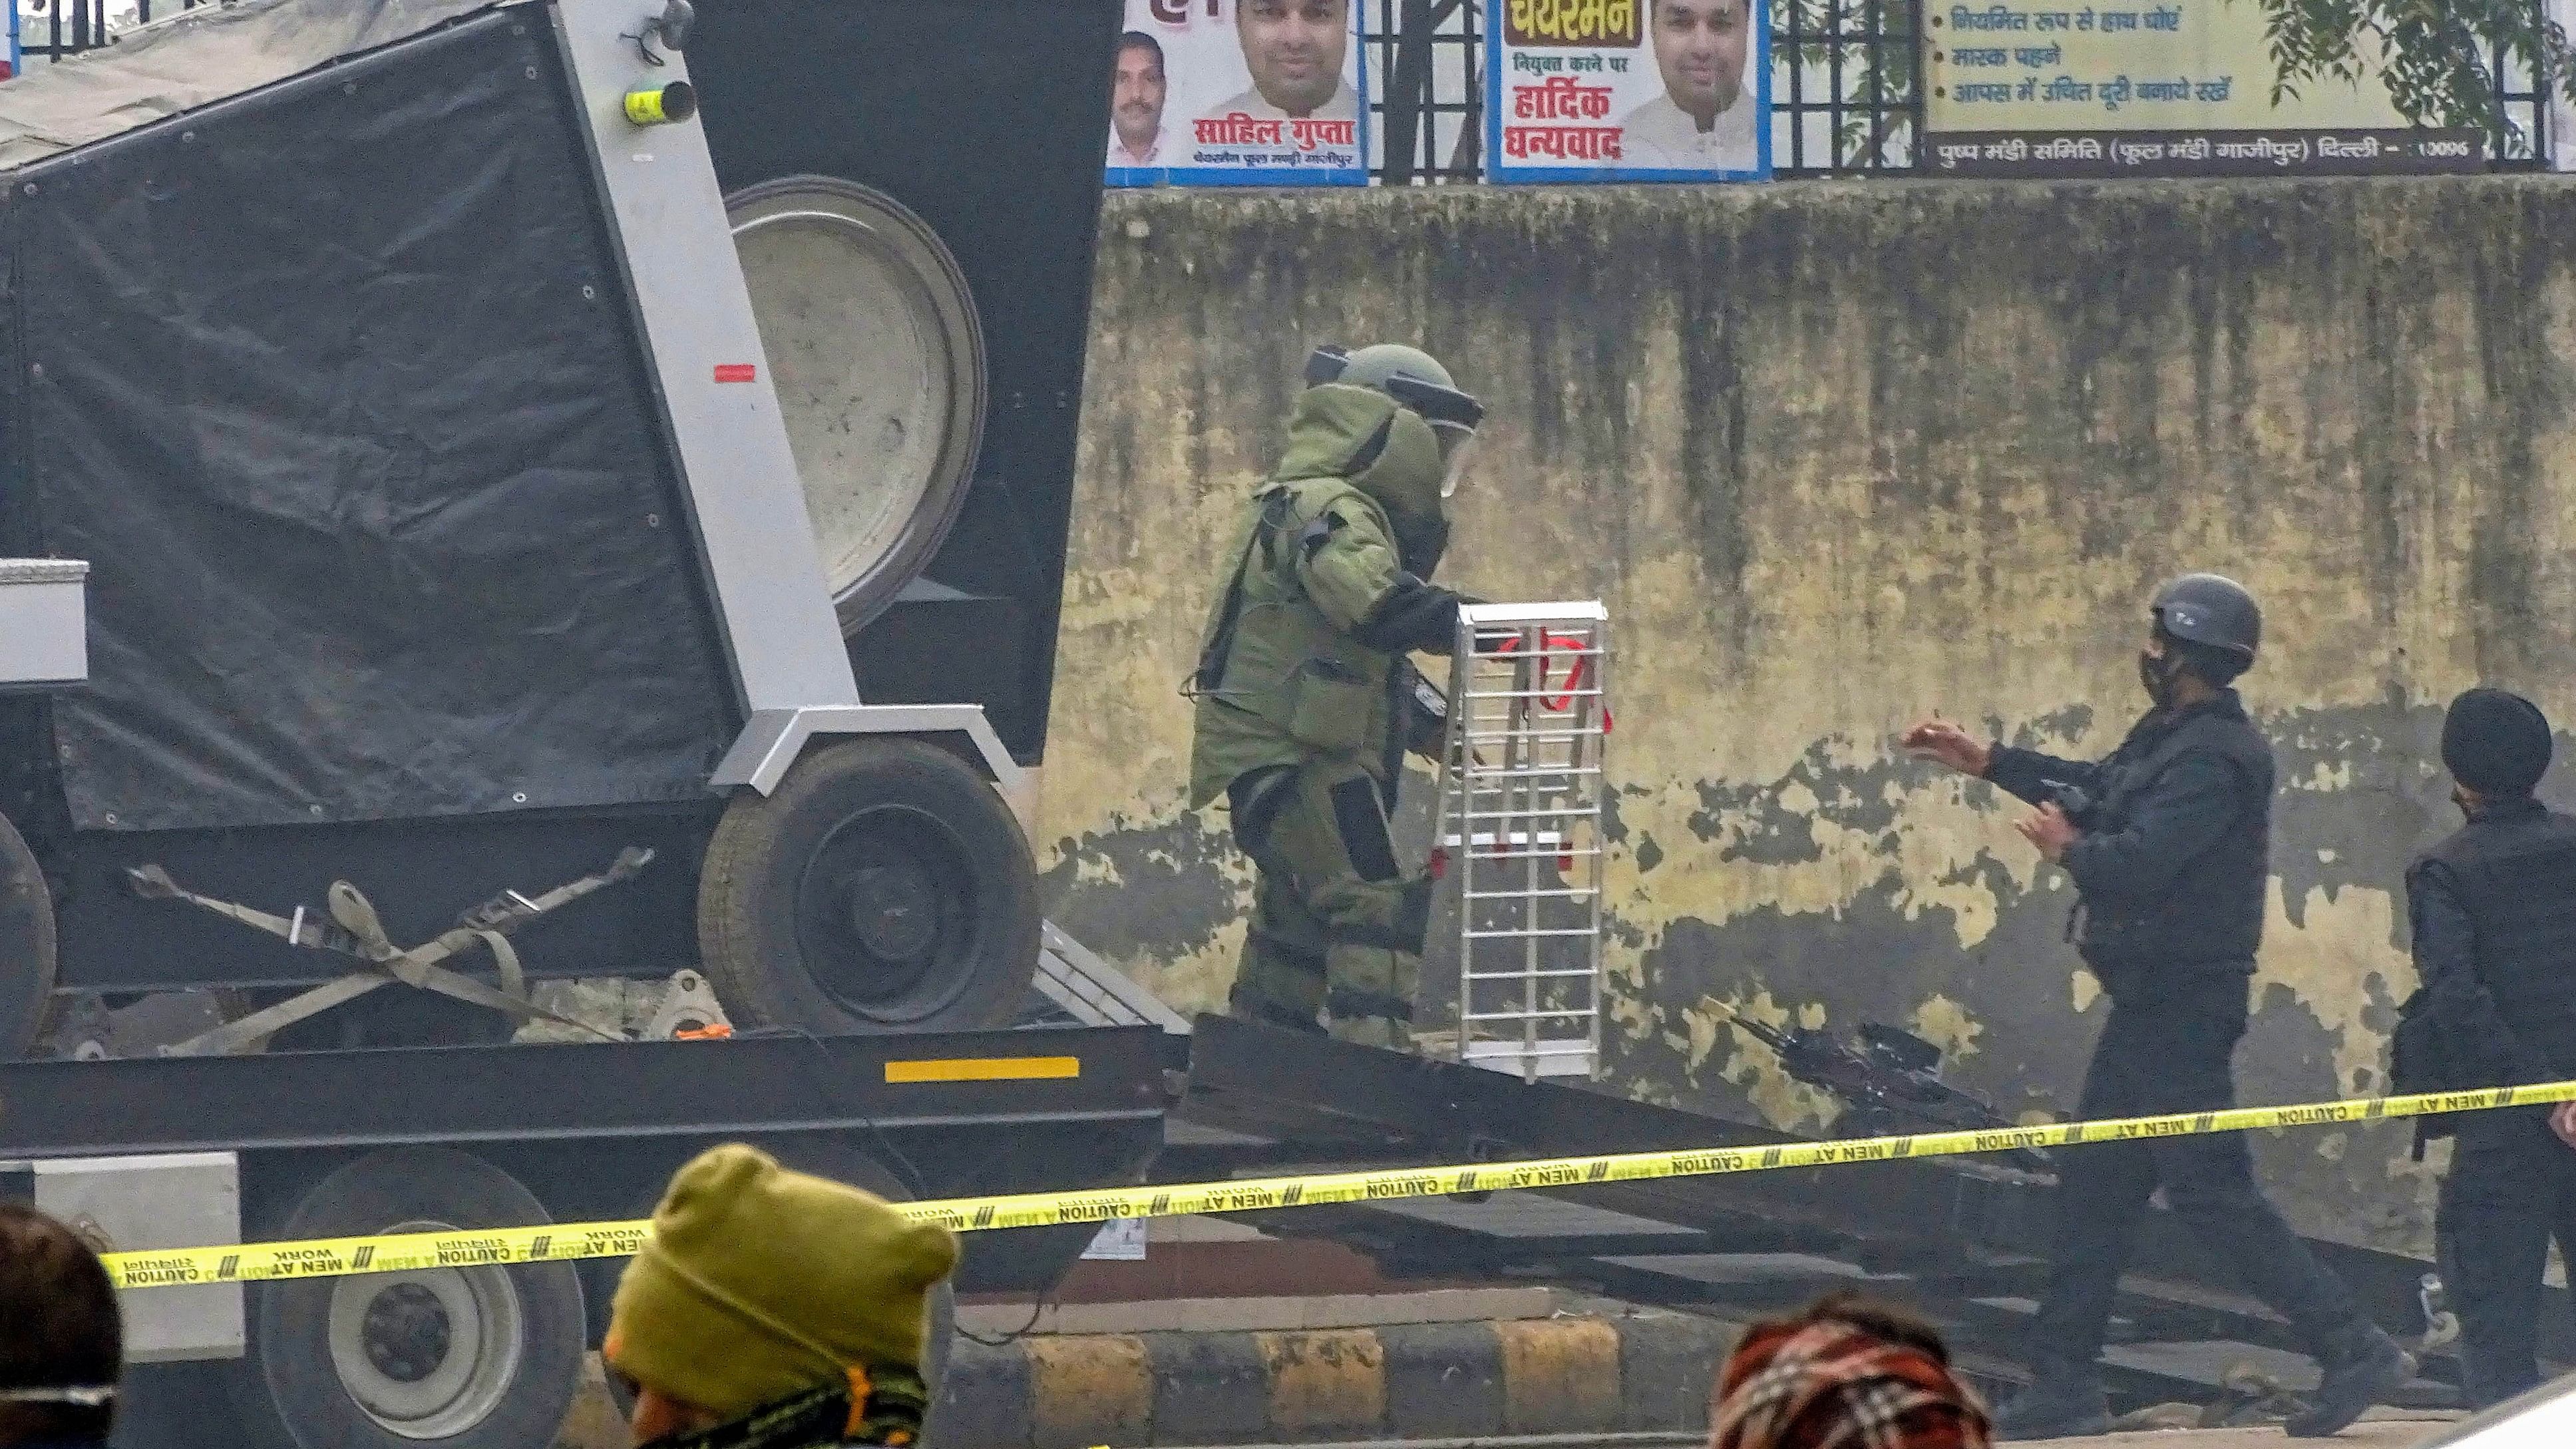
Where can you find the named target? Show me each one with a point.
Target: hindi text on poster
(1239, 93)
(1573, 22)
(2178, 88)
(1628, 90)
(2203, 153)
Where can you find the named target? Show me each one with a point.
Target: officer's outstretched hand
(2050, 830)
(1938, 740)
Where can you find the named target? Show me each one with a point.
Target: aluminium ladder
(1519, 825)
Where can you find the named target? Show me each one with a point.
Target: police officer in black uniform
(2494, 916)
(2167, 842)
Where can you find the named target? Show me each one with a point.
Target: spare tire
(885, 887)
(26, 946)
(878, 360)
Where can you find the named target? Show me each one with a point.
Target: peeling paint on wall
(1837, 454)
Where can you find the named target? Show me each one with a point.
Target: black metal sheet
(332, 385)
(746, 1086)
(1326, 1098)
(985, 117)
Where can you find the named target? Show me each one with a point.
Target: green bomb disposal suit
(1306, 703)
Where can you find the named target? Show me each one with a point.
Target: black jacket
(2174, 865)
(2493, 910)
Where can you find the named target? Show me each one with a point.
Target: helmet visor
(1456, 442)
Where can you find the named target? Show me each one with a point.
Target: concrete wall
(1835, 455)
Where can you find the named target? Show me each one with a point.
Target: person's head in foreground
(773, 1310)
(61, 1341)
(1846, 1373)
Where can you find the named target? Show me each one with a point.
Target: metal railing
(1846, 87)
(1427, 58)
(2521, 143)
(50, 30)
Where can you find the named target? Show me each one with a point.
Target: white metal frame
(1519, 826)
(747, 507)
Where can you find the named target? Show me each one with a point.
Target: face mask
(2156, 677)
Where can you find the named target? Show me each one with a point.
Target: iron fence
(2521, 141)
(49, 30)
(1428, 56)
(1846, 83)
(1846, 92)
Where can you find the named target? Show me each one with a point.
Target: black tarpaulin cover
(334, 386)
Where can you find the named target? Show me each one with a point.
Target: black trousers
(2174, 1054)
(2512, 1186)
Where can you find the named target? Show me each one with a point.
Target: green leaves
(2439, 58)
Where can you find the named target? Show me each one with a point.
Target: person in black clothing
(2168, 844)
(2494, 916)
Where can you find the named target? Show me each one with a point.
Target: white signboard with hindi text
(2049, 88)
(1628, 90)
(1239, 93)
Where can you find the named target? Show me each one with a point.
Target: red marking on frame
(737, 372)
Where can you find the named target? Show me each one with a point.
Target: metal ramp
(1519, 825)
(1952, 1238)
(1092, 991)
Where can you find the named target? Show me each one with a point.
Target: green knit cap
(759, 1283)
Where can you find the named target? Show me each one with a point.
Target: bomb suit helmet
(1416, 380)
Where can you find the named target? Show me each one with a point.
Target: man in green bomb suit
(1306, 700)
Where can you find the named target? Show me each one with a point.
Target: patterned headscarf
(1822, 1383)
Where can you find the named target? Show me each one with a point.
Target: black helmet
(2211, 611)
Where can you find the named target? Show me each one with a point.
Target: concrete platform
(2381, 1429)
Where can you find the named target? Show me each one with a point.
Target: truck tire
(885, 887)
(26, 946)
(450, 1358)
(823, 1155)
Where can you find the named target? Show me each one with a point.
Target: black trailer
(483, 481)
(150, 1152)
(573, 495)
(324, 1143)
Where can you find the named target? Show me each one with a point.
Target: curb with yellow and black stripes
(1646, 1371)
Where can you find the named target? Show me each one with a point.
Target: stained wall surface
(1836, 455)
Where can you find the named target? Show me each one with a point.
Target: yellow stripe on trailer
(984, 1069)
(321, 1258)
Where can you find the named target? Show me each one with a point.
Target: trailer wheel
(456, 1358)
(884, 887)
(26, 945)
(835, 1158)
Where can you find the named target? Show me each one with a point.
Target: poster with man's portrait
(1239, 93)
(1628, 90)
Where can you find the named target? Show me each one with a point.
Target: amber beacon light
(659, 105)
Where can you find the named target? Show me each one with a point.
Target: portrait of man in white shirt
(1136, 134)
(1705, 119)
(1294, 50)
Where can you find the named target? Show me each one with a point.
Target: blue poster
(1239, 93)
(1628, 90)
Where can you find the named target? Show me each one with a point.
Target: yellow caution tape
(565, 1242)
